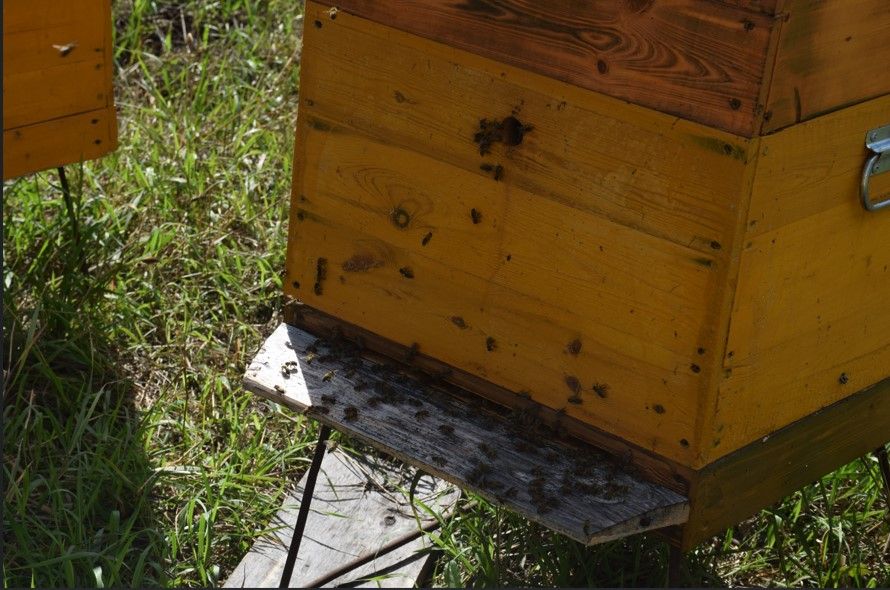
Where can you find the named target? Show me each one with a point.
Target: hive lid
(568, 487)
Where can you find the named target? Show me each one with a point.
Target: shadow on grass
(77, 476)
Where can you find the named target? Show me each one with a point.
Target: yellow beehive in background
(58, 101)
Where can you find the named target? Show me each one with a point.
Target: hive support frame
(320, 446)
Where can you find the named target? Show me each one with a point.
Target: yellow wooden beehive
(58, 102)
(645, 215)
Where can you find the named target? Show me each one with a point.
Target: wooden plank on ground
(571, 488)
(359, 505)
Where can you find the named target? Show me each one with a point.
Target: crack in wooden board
(572, 489)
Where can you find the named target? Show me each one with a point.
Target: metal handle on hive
(877, 141)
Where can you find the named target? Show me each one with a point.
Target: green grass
(132, 456)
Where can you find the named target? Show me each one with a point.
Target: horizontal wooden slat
(769, 469)
(59, 142)
(56, 60)
(640, 168)
(60, 91)
(567, 487)
(700, 60)
(78, 37)
(832, 54)
(810, 323)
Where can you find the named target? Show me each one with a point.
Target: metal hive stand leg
(305, 502)
(884, 464)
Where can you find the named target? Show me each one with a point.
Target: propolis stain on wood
(641, 215)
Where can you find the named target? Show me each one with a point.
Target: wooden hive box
(58, 101)
(643, 215)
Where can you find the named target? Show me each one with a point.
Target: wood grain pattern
(809, 324)
(585, 206)
(569, 277)
(360, 504)
(650, 466)
(700, 60)
(762, 473)
(58, 142)
(832, 54)
(56, 71)
(590, 152)
(569, 488)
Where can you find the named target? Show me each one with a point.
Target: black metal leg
(884, 464)
(305, 502)
(675, 561)
(72, 216)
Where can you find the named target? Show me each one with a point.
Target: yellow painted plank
(58, 142)
(47, 37)
(57, 88)
(832, 54)
(31, 97)
(605, 226)
(810, 323)
(641, 168)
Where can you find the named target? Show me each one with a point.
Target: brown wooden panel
(810, 323)
(756, 476)
(41, 37)
(832, 53)
(666, 177)
(699, 60)
(604, 226)
(56, 60)
(57, 92)
(58, 142)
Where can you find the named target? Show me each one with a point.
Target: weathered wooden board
(58, 142)
(700, 60)
(582, 257)
(738, 485)
(360, 504)
(570, 488)
(57, 72)
(810, 323)
(832, 54)
(651, 467)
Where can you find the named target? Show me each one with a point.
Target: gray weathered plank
(359, 505)
(571, 488)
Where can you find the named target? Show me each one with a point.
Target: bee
(411, 353)
(350, 413)
(64, 50)
(328, 376)
(488, 451)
